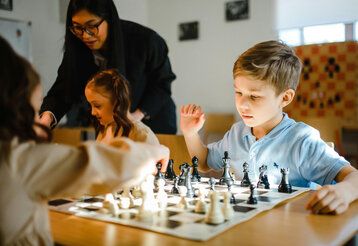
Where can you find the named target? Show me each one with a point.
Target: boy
(265, 79)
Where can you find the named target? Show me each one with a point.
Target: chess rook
(285, 186)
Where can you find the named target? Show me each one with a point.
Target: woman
(96, 39)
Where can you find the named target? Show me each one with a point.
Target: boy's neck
(264, 129)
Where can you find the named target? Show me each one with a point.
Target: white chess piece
(228, 211)
(111, 204)
(126, 199)
(162, 196)
(183, 203)
(149, 205)
(215, 215)
(200, 205)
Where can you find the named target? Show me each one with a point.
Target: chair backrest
(178, 150)
(330, 130)
(216, 125)
(72, 136)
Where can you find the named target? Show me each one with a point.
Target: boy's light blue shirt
(290, 144)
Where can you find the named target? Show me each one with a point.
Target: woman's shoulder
(133, 32)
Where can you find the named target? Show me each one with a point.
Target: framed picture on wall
(6, 4)
(189, 31)
(237, 10)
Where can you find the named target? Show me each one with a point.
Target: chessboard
(173, 218)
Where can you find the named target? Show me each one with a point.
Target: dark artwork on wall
(237, 10)
(6, 4)
(189, 31)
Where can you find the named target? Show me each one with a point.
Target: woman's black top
(147, 68)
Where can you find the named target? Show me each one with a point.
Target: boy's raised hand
(329, 199)
(192, 119)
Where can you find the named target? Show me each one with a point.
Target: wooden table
(287, 224)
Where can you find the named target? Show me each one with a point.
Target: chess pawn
(245, 182)
(285, 186)
(170, 173)
(212, 183)
(159, 175)
(228, 211)
(201, 206)
(162, 196)
(215, 215)
(175, 189)
(183, 203)
(252, 199)
(195, 175)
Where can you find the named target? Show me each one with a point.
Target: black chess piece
(285, 186)
(175, 189)
(232, 198)
(252, 199)
(195, 175)
(226, 177)
(245, 182)
(263, 182)
(189, 187)
(182, 168)
(170, 173)
(159, 174)
(212, 183)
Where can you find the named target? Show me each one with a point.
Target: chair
(72, 136)
(330, 130)
(178, 150)
(216, 125)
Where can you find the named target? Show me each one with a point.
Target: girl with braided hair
(108, 94)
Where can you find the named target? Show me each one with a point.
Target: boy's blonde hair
(270, 61)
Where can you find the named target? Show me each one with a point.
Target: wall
(298, 13)
(204, 66)
(46, 34)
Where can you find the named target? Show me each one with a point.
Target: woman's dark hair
(18, 79)
(75, 50)
(113, 83)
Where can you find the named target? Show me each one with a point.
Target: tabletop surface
(288, 222)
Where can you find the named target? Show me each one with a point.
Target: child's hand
(192, 119)
(329, 199)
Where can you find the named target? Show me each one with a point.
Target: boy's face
(101, 106)
(257, 102)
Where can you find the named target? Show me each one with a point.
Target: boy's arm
(336, 198)
(191, 121)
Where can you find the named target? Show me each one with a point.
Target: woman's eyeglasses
(91, 30)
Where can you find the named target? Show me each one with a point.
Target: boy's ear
(287, 97)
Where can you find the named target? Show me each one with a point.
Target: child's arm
(191, 121)
(336, 198)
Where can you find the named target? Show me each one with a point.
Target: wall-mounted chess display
(328, 84)
(189, 31)
(6, 4)
(237, 10)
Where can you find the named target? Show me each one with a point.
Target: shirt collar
(285, 122)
